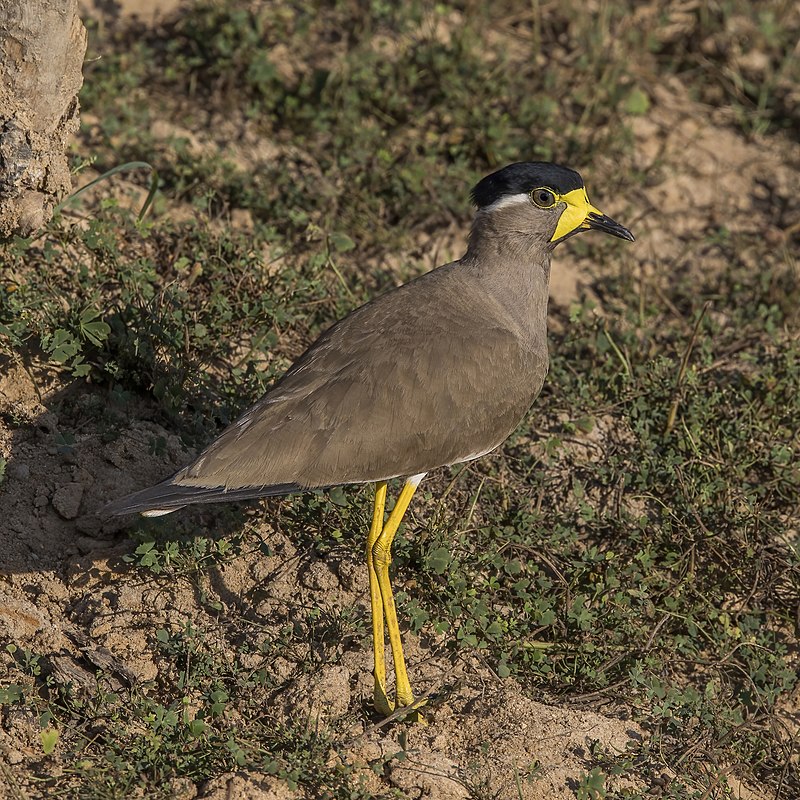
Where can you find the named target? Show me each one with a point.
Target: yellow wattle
(575, 214)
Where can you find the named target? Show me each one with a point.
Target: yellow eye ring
(544, 197)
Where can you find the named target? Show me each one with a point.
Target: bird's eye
(544, 198)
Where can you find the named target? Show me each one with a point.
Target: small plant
(591, 786)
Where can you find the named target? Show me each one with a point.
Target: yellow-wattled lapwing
(436, 372)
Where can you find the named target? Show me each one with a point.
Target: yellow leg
(381, 698)
(381, 558)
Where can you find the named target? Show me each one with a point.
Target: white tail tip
(158, 512)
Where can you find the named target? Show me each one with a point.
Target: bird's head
(545, 199)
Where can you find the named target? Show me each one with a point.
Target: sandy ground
(66, 593)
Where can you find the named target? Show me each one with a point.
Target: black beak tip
(600, 222)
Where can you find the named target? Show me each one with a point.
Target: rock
(182, 789)
(19, 471)
(67, 500)
(19, 618)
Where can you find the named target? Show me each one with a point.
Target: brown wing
(393, 389)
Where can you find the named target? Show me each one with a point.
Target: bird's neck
(511, 266)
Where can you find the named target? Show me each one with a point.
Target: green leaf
(63, 346)
(80, 369)
(341, 242)
(65, 442)
(513, 567)
(92, 328)
(494, 629)
(238, 754)
(439, 560)
(637, 102)
(219, 699)
(11, 693)
(49, 737)
(338, 497)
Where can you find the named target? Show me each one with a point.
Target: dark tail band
(167, 496)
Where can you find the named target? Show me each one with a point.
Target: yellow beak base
(575, 214)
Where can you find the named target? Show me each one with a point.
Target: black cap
(523, 177)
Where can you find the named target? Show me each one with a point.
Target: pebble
(19, 470)
(67, 500)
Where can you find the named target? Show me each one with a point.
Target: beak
(600, 222)
(580, 215)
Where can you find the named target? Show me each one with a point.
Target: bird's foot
(406, 708)
(383, 705)
(409, 710)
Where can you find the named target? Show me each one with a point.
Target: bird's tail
(166, 497)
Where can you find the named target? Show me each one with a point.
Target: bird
(436, 372)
